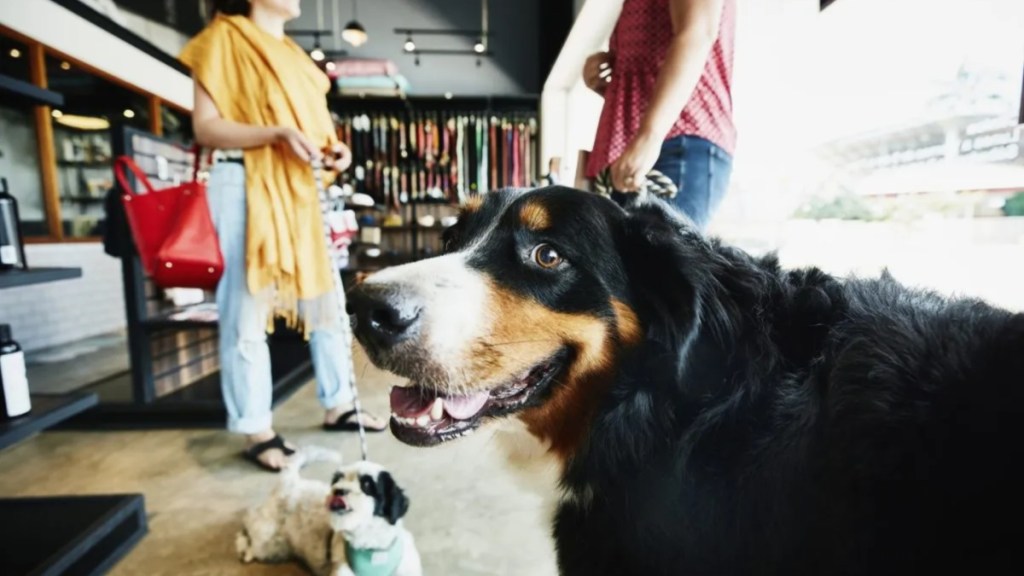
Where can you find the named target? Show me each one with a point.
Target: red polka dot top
(638, 47)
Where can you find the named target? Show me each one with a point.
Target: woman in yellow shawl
(260, 103)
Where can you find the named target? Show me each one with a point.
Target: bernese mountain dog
(702, 410)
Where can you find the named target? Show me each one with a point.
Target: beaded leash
(339, 292)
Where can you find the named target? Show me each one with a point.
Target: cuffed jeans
(700, 170)
(245, 379)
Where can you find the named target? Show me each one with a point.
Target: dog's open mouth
(337, 504)
(423, 417)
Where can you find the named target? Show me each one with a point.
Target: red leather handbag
(173, 231)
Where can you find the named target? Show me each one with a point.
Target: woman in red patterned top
(666, 81)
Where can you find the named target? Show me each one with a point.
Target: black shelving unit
(16, 278)
(47, 412)
(174, 376)
(17, 91)
(55, 535)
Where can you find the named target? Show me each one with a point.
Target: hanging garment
(482, 166)
(493, 142)
(516, 158)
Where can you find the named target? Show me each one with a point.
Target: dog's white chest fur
(532, 463)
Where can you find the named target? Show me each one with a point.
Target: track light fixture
(317, 53)
(480, 39)
(354, 33)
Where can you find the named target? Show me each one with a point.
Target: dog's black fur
(391, 502)
(773, 421)
(766, 421)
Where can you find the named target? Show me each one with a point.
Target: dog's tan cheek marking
(627, 323)
(534, 216)
(523, 333)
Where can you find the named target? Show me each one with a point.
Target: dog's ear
(392, 503)
(664, 258)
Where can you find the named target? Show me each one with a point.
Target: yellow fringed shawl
(255, 78)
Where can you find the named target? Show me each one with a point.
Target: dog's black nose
(383, 315)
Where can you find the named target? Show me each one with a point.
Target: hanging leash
(339, 291)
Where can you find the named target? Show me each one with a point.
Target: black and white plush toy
(350, 527)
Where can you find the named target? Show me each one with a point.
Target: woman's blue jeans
(700, 170)
(245, 378)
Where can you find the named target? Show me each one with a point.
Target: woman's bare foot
(272, 457)
(370, 422)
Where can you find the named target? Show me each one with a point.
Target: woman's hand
(298, 142)
(629, 170)
(597, 71)
(338, 157)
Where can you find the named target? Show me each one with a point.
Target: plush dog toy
(351, 527)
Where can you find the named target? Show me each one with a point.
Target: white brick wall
(44, 315)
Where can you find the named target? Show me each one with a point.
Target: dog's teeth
(423, 420)
(437, 410)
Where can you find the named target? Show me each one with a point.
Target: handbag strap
(200, 154)
(120, 163)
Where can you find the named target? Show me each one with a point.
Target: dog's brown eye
(546, 256)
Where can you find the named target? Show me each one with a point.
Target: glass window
(902, 152)
(94, 109)
(19, 147)
(177, 125)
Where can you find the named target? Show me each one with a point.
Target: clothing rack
(427, 155)
(429, 149)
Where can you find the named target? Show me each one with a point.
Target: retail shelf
(47, 411)
(198, 405)
(16, 278)
(53, 535)
(173, 320)
(18, 91)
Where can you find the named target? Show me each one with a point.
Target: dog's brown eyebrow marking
(535, 216)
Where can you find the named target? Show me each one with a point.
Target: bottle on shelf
(14, 396)
(12, 245)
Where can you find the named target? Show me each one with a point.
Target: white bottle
(14, 397)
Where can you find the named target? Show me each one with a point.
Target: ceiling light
(354, 34)
(15, 53)
(65, 65)
(479, 47)
(83, 122)
(330, 66)
(56, 113)
(129, 113)
(317, 53)
(409, 45)
(447, 95)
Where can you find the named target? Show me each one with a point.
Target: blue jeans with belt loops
(700, 170)
(245, 378)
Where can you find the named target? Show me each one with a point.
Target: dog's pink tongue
(410, 402)
(462, 407)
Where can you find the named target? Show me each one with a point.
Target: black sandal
(253, 453)
(343, 424)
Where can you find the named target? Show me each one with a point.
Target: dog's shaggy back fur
(778, 422)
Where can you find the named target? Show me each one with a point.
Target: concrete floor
(467, 513)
